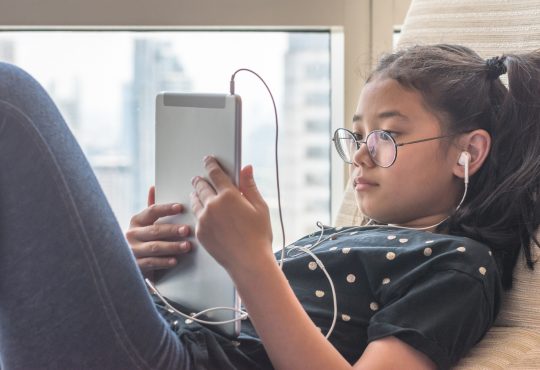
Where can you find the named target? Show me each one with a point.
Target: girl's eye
(388, 135)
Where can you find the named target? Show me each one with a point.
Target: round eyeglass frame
(358, 142)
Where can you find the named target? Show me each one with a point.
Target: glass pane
(105, 85)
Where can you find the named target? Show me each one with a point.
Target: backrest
(490, 27)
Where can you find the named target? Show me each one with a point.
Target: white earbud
(464, 159)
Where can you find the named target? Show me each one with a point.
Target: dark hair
(502, 207)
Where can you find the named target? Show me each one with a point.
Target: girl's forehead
(387, 93)
(385, 97)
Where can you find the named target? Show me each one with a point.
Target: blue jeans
(71, 295)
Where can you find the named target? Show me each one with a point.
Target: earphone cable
(232, 89)
(243, 314)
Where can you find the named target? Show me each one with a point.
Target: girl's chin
(365, 209)
(371, 213)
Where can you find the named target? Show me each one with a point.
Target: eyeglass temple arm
(422, 140)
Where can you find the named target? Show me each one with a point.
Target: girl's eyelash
(360, 136)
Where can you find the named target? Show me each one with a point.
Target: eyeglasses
(382, 147)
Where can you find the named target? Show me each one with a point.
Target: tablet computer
(189, 127)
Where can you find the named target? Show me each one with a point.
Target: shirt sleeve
(442, 315)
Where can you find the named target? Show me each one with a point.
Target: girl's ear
(477, 143)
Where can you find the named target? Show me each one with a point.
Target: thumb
(151, 195)
(248, 186)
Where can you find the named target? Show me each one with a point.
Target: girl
(416, 288)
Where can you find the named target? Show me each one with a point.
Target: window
(105, 85)
(317, 179)
(315, 71)
(316, 98)
(318, 125)
(317, 152)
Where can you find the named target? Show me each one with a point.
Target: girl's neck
(428, 223)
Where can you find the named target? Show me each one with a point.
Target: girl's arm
(235, 228)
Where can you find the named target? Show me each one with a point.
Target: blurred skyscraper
(305, 172)
(156, 68)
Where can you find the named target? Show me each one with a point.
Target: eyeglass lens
(380, 145)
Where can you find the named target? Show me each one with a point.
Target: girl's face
(419, 189)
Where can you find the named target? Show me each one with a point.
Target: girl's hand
(233, 224)
(157, 246)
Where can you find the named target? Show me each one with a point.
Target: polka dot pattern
(390, 256)
(380, 271)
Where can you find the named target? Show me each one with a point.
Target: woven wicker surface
(491, 28)
(504, 348)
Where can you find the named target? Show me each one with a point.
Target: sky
(97, 64)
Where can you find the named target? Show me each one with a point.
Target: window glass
(105, 84)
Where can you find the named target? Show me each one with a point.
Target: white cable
(243, 314)
(334, 297)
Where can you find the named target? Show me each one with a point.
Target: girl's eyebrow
(382, 115)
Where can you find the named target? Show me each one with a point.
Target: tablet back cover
(188, 127)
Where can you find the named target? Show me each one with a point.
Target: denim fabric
(71, 295)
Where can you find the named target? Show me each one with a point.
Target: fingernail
(181, 230)
(172, 261)
(184, 245)
(176, 207)
(193, 180)
(206, 158)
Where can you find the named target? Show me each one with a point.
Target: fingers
(151, 195)
(219, 178)
(156, 263)
(196, 205)
(161, 249)
(167, 232)
(249, 188)
(203, 189)
(155, 212)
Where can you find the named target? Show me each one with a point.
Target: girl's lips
(363, 184)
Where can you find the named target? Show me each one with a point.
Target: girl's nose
(361, 157)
